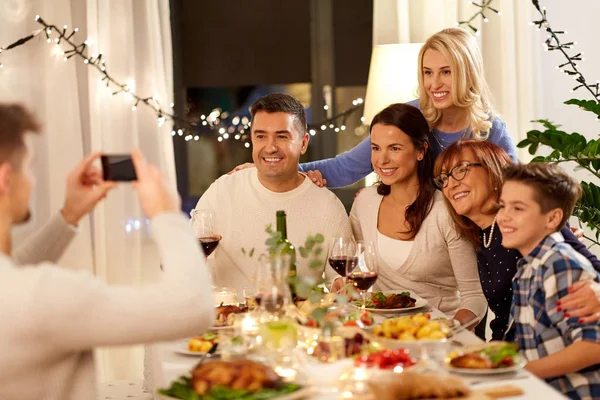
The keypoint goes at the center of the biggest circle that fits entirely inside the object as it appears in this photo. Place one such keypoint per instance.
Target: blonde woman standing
(454, 98)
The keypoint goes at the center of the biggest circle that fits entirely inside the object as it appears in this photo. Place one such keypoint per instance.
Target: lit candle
(249, 324)
(225, 296)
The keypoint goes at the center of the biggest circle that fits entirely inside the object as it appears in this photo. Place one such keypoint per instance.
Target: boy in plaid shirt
(536, 201)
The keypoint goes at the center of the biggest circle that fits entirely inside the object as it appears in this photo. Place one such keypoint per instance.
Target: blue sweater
(353, 165)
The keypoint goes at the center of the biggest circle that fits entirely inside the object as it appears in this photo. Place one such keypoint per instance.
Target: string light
(228, 127)
(483, 6)
(553, 43)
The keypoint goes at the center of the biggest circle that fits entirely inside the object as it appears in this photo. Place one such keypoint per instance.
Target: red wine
(362, 280)
(343, 264)
(209, 244)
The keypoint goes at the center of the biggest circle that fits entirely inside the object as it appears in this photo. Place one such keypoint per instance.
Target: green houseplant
(571, 147)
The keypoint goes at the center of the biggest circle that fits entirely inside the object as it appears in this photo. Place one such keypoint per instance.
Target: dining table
(166, 365)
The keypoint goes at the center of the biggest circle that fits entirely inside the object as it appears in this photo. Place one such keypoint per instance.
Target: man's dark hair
(281, 102)
(15, 122)
(553, 187)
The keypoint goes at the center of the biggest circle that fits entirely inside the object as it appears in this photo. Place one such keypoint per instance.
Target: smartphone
(118, 167)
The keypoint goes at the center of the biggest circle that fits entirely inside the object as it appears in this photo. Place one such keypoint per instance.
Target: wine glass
(273, 294)
(204, 224)
(365, 275)
(342, 255)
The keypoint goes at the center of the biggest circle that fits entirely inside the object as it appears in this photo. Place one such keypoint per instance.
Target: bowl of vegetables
(417, 333)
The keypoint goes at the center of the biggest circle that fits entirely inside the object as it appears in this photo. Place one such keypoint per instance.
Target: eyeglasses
(458, 173)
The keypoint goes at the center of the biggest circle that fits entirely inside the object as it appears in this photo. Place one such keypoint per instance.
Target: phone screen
(118, 167)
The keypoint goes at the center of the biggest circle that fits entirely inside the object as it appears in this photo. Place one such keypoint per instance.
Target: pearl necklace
(488, 241)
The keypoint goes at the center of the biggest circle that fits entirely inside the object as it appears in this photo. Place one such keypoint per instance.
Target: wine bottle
(284, 246)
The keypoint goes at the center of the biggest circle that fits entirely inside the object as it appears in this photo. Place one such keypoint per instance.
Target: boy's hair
(15, 122)
(281, 102)
(553, 187)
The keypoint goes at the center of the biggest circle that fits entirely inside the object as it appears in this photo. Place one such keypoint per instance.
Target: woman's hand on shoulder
(578, 232)
(316, 177)
(583, 302)
(241, 167)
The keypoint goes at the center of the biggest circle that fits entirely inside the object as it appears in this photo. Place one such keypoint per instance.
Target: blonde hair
(470, 89)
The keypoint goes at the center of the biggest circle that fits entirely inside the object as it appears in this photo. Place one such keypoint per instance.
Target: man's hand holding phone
(85, 188)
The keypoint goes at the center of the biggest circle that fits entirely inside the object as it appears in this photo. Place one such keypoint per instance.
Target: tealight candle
(225, 296)
(249, 325)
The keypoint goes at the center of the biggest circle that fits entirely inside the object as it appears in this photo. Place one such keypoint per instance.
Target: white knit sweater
(53, 317)
(243, 207)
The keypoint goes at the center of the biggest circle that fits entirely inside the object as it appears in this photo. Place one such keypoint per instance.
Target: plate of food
(392, 302)
(225, 314)
(197, 346)
(487, 359)
(225, 380)
(386, 360)
(415, 385)
(349, 344)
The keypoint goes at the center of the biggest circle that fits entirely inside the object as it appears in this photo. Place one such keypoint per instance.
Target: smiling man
(245, 202)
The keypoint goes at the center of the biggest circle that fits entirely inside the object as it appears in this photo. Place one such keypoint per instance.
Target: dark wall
(242, 42)
(353, 41)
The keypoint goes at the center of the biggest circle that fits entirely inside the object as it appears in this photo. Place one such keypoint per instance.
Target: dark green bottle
(284, 246)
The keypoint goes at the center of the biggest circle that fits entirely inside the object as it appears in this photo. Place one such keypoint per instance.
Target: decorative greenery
(307, 287)
(183, 389)
(571, 147)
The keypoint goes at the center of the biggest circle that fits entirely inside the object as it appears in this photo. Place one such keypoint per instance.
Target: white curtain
(506, 41)
(79, 115)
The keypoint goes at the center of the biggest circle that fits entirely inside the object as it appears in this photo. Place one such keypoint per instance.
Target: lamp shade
(392, 77)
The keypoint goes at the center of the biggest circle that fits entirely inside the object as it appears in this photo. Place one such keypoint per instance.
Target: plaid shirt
(540, 330)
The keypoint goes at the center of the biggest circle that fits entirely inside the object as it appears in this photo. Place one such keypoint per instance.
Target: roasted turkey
(241, 374)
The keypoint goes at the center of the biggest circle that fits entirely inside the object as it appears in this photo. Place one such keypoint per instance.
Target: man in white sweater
(246, 201)
(53, 317)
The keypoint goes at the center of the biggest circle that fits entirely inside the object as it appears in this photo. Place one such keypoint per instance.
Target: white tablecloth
(166, 366)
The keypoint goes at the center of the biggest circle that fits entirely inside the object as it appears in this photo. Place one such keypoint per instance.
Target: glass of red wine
(204, 224)
(342, 255)
(365, 275)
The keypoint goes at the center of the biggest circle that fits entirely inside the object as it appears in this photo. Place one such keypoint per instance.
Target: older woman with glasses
(469, 174)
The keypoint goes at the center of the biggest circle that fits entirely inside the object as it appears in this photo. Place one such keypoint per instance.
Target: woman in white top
(416, 244)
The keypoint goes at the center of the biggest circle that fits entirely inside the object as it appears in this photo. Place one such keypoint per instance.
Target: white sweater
(243, 207)
(53, 317)
(441, 267)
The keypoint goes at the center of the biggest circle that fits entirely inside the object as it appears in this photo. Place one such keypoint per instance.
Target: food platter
(494, 358)
(493, 371)
(419, 303)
